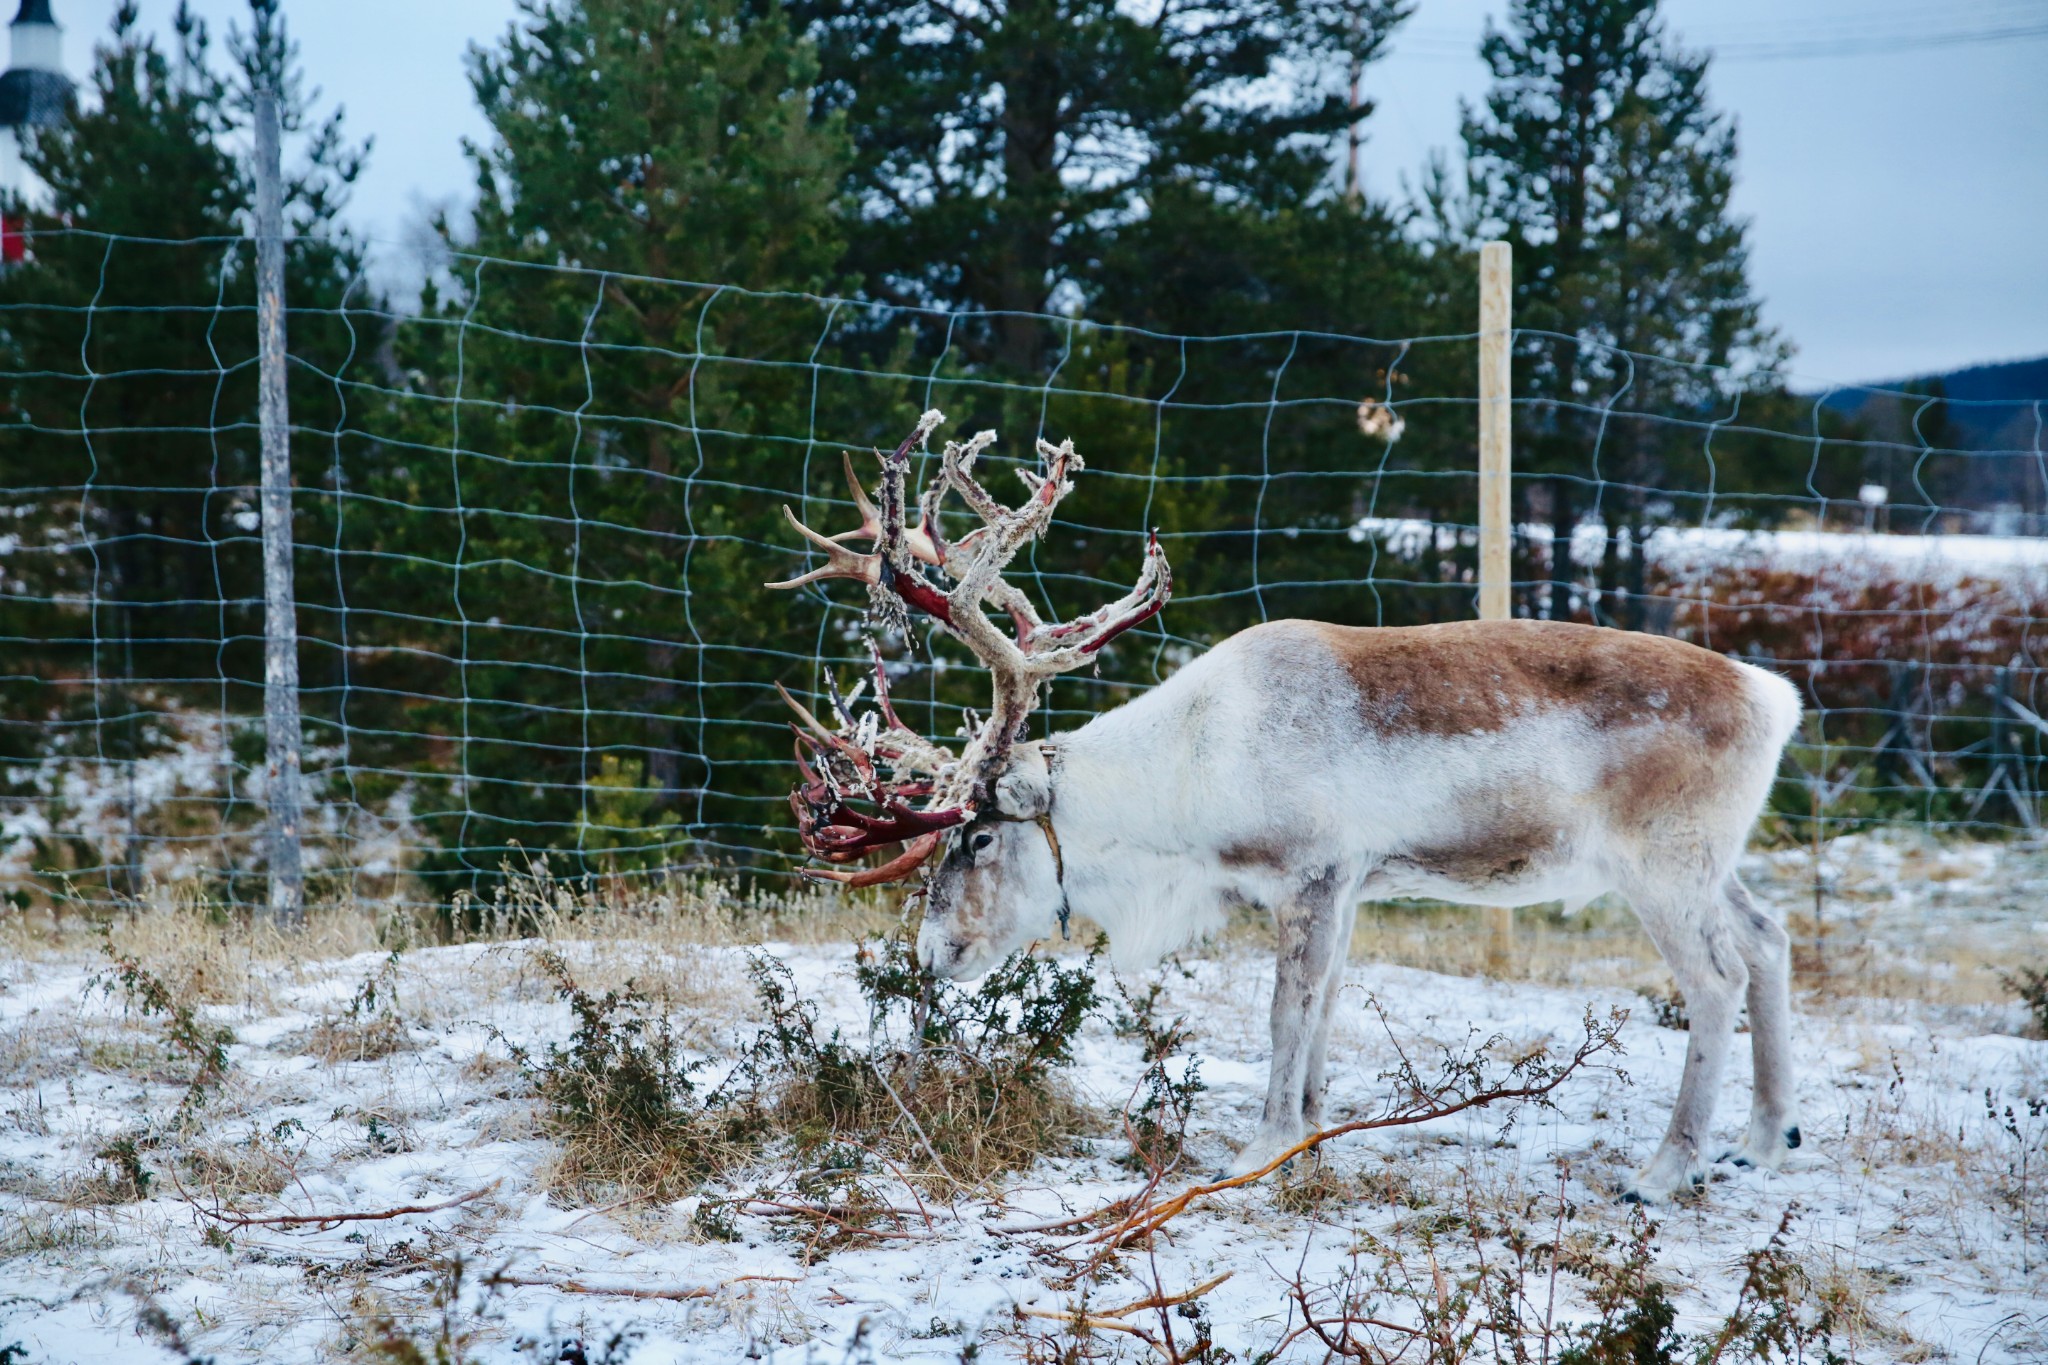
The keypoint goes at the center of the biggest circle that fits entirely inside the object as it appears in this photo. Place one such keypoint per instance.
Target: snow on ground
(1907, 1198)
(1686, 552)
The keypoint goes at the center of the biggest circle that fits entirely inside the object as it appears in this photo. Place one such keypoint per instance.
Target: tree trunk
(1030, 205)
(1563, 520)
(1605, 614)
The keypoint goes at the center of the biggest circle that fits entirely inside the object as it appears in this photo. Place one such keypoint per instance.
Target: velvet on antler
(844, 764)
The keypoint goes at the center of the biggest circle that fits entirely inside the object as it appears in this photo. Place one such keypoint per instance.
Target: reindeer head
(992, 800)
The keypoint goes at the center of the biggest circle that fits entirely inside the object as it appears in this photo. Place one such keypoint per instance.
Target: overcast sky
(1894, 159)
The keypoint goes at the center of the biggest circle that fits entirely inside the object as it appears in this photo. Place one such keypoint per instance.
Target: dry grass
(1318, 1186)
(47, 1230)
(618, 1100)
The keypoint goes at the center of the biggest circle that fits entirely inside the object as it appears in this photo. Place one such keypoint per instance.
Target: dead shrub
(958, 1086)
(1398, 1300)
(202, 1046)
(370, 1028)
(619, 1101)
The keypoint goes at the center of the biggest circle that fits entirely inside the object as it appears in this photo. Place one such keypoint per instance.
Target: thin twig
(623, 1291)
(613, 1207)
(328, 1220)
(775, 1206)
(1112, 1319)
(915, 1126)
(1060, 1224)
(1151, 1218)
(1089, 1322)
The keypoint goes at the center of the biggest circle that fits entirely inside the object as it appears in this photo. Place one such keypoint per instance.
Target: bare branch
(683, 1294)
(1423, 1108)
(328, 1220)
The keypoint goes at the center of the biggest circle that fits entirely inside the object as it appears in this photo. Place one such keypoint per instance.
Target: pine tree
(1600, 156)
(1001, 147)
(587, 473)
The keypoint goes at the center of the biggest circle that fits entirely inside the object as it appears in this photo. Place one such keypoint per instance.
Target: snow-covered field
(1917, 1208)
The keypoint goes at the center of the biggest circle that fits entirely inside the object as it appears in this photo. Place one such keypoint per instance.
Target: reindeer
(1301, 767)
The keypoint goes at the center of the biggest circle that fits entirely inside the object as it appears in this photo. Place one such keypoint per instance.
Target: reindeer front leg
(1304, 983)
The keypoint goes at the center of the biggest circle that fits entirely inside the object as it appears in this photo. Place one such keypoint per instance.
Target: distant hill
(1988, 407)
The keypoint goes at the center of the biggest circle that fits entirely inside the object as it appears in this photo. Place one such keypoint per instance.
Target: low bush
(957, 1085)
(371, 1027)
(950, 1088)
(619, 1101)
(1157, 1113)
(199, 1044)
(2029, 986)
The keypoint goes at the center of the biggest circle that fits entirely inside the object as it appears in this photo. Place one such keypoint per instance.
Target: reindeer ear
(1024, 791)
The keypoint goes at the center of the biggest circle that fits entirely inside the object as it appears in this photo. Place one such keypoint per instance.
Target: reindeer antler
(1017, 661)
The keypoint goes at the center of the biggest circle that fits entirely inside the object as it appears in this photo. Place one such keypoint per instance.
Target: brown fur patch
(1495, 846)
(1662, 775)
(1272, 857)
(1466, 676)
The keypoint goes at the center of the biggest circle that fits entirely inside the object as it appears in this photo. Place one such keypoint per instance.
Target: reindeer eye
(981, 840)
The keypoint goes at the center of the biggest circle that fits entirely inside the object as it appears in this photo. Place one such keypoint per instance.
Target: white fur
(1251, 776)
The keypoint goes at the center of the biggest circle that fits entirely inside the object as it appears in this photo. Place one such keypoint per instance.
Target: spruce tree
(1599, 155)
(999, 148)
(607, 406)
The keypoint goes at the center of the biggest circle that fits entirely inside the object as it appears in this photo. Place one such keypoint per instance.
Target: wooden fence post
(283, 787)
(1496, 324)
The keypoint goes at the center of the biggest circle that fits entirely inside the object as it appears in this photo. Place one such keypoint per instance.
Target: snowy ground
(1910, 1206)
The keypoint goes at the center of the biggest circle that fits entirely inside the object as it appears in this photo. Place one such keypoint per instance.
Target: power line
(1444, 45)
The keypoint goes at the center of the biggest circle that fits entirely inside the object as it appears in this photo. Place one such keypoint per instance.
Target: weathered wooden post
(281, 729)
(1496, 323)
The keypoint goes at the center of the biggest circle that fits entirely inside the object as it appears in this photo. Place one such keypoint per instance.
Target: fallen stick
(1112, 1319)
(328, 1220)
(1057, 1224)
(774, 1206)
(1078, 1317)
(1152, 1217)
(625, 1291)
(1090, 1322)
(1168, 1300)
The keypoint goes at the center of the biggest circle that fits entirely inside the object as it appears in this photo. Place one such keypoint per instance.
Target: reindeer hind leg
(1691, 930)
(1767, 951)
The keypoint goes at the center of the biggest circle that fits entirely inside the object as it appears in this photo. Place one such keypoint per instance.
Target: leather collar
(1052, 841)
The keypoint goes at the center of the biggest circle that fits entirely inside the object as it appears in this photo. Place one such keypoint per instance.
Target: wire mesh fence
(534, 515)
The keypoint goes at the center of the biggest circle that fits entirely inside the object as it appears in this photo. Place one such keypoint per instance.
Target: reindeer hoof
(1258, 1154)
(1764, 1147)
(1647, 1189)
(1763, 1150)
